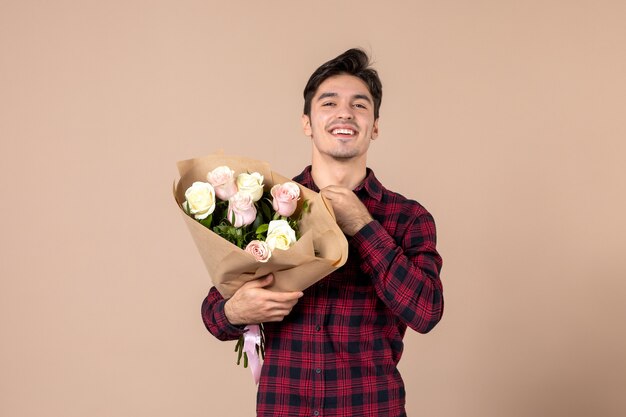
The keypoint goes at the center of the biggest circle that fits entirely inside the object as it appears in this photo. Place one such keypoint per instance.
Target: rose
(223, 180)
(251, 184)
(200, 200)
(280, 235)
(241, 209)
(285, 198)
(260, 250)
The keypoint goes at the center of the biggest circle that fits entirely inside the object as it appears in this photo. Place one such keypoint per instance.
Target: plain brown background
(506, 119)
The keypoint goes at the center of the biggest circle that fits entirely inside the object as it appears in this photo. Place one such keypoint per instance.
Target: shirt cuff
(222, 321)
(369, 241)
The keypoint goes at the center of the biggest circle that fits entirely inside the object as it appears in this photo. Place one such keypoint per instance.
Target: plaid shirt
(336, 353)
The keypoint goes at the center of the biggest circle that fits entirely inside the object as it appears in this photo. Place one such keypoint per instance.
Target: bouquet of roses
(248, 221)
(243, 213)
(240, 211)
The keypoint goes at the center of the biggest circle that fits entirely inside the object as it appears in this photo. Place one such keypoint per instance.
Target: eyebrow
(356, 96)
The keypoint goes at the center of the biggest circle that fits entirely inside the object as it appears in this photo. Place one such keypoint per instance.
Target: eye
(360, 106)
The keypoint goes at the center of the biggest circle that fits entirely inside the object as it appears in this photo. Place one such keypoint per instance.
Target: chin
(343, 156)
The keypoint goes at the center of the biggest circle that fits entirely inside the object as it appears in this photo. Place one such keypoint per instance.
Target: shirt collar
(370, 186)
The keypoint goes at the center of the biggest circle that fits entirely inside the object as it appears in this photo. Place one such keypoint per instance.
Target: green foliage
(206, 222)
(306, 208)
(266, 207)
(260, 349)
(239, 349)
(261, 231)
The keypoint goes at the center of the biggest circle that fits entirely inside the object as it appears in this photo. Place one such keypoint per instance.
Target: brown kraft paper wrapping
(321, 249)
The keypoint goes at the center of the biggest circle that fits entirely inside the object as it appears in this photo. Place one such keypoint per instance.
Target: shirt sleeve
(405, 276)
(215, 319)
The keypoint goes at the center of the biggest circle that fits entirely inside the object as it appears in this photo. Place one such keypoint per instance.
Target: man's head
(353, 62)
(342, 99)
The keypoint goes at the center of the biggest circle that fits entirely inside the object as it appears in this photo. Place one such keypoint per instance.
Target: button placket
(318, 338)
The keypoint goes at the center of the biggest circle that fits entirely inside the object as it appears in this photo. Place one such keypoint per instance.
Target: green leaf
(262, 229)
(266, 208)
(206, 222)
(239, 237)
(258, 220)
(240, 349)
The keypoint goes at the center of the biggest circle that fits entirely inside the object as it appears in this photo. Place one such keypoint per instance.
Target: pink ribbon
(251, 338)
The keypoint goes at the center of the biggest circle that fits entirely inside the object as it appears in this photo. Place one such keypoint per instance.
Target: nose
(345, 111)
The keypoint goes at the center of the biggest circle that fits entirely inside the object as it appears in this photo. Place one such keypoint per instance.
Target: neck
(347, 173)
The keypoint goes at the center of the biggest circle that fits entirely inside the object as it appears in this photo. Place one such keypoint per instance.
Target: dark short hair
(352, 62)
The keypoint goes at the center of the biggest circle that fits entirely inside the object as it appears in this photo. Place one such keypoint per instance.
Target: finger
(274, 319)
(335, 189)
(281, 297)
(278, 315)
(329, 193)
(287, 305)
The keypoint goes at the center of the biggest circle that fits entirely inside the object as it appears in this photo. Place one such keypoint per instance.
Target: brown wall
(506, 119)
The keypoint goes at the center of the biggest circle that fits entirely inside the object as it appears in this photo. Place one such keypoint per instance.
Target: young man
(333, 349)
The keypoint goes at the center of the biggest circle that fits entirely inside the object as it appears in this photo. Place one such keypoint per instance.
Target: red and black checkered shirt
(336, 353)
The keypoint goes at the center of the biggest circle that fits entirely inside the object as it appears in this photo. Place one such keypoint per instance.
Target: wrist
(359, 223)
(230, 314)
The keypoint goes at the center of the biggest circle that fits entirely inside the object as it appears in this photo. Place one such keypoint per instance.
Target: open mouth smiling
(343, 132)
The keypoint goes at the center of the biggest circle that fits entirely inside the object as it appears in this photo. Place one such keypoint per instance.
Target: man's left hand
(351, 214)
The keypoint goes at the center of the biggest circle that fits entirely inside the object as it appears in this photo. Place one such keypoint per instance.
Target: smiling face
(342, 123)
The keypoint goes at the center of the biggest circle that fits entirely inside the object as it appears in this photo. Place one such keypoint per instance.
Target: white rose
(280, 235)
(200, 200)
(251, 184)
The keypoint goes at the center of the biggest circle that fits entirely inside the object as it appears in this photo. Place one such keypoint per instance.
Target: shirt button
(318, 371)
(318, 328)
(316, 413)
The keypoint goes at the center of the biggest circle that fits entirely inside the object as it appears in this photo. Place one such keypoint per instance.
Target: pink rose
(285, 198)
(241, 207)
(223, 181)
(260, 250)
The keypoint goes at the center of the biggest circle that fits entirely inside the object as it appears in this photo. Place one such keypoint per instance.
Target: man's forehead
(355, 96)
(343, 84)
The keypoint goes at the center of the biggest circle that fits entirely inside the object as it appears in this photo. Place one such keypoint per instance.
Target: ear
(375, 130)
(306, 125)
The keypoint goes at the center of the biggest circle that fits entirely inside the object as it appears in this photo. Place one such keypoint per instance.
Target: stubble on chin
(336, 149)
(343, 156)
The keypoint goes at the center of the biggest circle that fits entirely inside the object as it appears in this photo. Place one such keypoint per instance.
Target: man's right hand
(252, 303)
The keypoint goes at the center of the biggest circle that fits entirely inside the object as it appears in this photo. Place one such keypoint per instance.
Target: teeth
(343, 132)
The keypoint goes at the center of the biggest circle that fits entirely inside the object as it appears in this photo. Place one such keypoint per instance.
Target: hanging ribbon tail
(252, 338)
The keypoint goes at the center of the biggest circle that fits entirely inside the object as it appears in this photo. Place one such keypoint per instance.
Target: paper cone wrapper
(321, 249)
